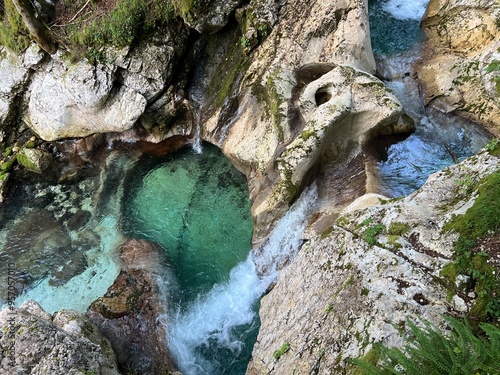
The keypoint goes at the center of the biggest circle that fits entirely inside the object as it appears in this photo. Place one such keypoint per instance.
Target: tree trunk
(40, 33)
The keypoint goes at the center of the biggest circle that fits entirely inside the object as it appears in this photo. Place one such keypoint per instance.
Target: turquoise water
(197, 207)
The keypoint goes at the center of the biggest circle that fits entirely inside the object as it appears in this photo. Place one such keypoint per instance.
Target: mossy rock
(34, 159)
(7, 165)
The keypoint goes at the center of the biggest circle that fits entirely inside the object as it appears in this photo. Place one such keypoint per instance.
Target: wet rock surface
(130, 313)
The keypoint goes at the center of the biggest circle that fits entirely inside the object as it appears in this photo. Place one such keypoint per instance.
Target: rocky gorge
(289, 92)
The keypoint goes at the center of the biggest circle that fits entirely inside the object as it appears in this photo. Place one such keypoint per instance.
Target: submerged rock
(130, 312)
(34, 342)
(356, 281)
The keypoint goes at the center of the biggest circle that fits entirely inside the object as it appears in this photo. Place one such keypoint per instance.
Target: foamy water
(211, 320)
(406, 9)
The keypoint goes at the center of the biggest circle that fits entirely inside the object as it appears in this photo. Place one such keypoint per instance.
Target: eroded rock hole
(322, 96)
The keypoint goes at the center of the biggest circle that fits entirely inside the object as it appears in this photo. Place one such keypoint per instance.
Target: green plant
(370, 234)
(245, 42)
(13, 33)
(493, 147)
(279, 353)
(431, 352)
(480, 221)
(493, 66)
(398, 229)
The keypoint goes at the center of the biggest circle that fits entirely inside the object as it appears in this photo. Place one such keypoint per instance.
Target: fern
(430, 352)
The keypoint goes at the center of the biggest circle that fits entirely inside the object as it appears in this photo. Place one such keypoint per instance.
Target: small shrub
(279, 353)
(398, 229)
(370, 234)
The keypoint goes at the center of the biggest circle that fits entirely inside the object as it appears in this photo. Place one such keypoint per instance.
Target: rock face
(15, 72)
(306, 104)
(348, 288)
(460, 69)
(80, 100)
(129, 314)
(34, 342)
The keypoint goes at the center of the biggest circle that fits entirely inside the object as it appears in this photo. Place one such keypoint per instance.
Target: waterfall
(211, 321)
(406, 10)
(197, 147)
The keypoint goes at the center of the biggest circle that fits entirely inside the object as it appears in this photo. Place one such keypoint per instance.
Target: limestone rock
(128, 314)
(279, 130)
(333, 113)
(460, 70)
(79, 100)
(209, 17)
(345, 292)
(148, 67)
(33, 343)
(34, 159)
(14, 74)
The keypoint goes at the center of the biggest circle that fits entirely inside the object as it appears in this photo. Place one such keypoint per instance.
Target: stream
(62, 239)
(439, 140)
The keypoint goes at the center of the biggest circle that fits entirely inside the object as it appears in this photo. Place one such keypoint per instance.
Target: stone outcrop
(130, 312)
(15, 72)
(76, 101)
(306, 104)
(34, 342)
(207, 17)
(460, 69)
(348, 289)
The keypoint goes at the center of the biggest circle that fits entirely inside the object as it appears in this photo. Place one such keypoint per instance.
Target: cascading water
(215, 333)
(439, 139)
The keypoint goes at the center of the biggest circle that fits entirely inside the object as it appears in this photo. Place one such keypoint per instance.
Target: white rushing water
(406, 9)
(229, 305)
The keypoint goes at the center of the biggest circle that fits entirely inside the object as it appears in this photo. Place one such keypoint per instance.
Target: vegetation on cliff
(85, 27)
(430, 352)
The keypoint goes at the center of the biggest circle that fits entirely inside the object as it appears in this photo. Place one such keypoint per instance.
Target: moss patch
(478, 231)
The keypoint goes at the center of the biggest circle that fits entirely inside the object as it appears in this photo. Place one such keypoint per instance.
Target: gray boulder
(34, 342)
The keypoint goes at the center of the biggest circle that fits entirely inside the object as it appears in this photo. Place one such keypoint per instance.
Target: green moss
(326, 233)
(494, 66)
(329, 309)
(398, 229)
(7, 165)
(343, 221)
(493, 147)
(13, 34)
(279, 353)
(306, 134)
(7, 152)
(365, 292)
(483, 216)
(482, 220)
(183, 7)
(392, 240)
